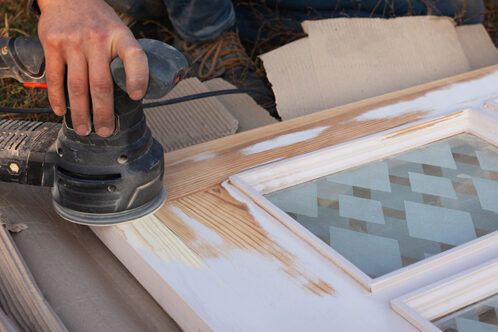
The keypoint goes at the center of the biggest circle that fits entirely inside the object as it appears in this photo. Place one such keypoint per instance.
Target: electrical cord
(146, 105)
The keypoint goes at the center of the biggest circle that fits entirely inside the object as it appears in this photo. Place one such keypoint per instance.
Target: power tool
(95, 180)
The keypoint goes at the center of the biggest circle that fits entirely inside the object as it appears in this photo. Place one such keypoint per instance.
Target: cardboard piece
(20, 296)
(247, 112)
(84, 283)
(294, 80)
(345, 60)
(183, 124)
(477, 46)
(6, 324)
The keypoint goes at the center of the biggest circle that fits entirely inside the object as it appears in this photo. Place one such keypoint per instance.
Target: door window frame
(279, 175)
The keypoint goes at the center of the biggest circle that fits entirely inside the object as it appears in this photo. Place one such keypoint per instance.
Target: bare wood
(204, 165)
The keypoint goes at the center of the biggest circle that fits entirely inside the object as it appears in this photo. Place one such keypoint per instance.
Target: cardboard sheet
(346, 60)
(247, 112)
(180, 125)
(20, 297)
(6, 324)
(477, 46)
(291, 71)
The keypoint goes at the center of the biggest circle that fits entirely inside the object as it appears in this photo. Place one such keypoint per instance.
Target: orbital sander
(95, 180)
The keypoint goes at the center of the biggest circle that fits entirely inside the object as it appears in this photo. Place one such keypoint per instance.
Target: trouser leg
(200, 20)
(251, 13)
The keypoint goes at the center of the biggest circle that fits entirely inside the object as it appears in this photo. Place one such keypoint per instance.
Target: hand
(86, 35)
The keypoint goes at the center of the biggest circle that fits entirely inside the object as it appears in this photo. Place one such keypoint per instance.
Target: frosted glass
(399, 210)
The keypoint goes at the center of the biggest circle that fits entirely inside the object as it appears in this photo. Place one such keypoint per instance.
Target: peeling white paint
(455, 97)
(284, 140)
(197, 157)
(492, 104)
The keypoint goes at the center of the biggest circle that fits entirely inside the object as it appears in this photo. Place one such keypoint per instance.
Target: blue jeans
(200, 20)
(205, 20)
(253, 14)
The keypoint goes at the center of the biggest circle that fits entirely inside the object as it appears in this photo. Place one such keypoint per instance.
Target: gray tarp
(84, 283)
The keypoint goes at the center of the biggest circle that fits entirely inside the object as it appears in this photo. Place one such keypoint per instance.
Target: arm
(85, 35)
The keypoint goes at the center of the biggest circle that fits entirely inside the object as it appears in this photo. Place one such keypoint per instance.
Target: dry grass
(491, 19)
(16, 20)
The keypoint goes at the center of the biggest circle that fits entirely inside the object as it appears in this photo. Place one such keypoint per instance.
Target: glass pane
(478, 317)
(399, 210)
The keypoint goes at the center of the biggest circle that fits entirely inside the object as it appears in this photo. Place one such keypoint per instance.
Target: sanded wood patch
(236, 227)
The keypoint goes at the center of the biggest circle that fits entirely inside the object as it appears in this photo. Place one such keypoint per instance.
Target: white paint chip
(465, 95)
(284, 140)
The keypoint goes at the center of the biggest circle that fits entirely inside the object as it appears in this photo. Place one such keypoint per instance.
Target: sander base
(109, 219)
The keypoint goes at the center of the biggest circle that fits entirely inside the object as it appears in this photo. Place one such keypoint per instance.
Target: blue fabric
(200, 20)
(204, 20)
(260, 18)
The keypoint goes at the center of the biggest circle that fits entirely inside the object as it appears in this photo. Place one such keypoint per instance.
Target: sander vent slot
(89, 177)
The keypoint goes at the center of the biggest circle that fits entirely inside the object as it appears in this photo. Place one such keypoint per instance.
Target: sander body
(95, 180)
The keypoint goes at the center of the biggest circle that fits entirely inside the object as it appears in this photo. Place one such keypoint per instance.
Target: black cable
(196, 96)
(147, 105)
(25, 110)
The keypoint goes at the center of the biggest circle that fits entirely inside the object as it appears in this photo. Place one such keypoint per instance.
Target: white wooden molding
(307, 167)
(279, 175)
(449, 295)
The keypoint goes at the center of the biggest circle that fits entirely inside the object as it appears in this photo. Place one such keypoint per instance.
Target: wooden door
(232, 251)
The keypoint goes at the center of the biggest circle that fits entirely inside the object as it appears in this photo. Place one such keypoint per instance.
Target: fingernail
(83, 130)
(104, 131)
(136, 94)
(59, 111)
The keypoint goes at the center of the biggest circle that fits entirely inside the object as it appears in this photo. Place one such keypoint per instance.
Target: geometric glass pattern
(402, 209)
(478, 317)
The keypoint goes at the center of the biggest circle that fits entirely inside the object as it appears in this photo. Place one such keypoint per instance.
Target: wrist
(42, 4)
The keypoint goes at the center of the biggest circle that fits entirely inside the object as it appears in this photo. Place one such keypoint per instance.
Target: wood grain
(233, 223)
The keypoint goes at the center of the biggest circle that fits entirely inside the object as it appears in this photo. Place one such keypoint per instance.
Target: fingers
(55, 73)
(88, 76)
(135, 63)
(101, 90)
(77, 86)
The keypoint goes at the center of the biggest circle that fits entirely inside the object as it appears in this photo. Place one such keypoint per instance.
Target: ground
(16, 20)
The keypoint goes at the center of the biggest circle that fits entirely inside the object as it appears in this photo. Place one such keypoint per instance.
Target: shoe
(227, 58)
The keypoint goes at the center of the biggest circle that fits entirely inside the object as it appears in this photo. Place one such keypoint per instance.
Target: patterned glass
(399, 210)
(477, 317)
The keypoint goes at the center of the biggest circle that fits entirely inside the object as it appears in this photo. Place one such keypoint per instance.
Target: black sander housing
(95, 180)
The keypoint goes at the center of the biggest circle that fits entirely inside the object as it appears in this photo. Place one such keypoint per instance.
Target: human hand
(86, 35)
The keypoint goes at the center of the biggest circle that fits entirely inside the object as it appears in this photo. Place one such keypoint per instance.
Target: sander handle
(22, 58)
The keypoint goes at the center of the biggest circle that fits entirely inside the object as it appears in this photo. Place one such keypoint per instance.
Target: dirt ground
(16, 20)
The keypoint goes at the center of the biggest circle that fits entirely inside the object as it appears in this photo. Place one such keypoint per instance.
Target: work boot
(227, 58)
